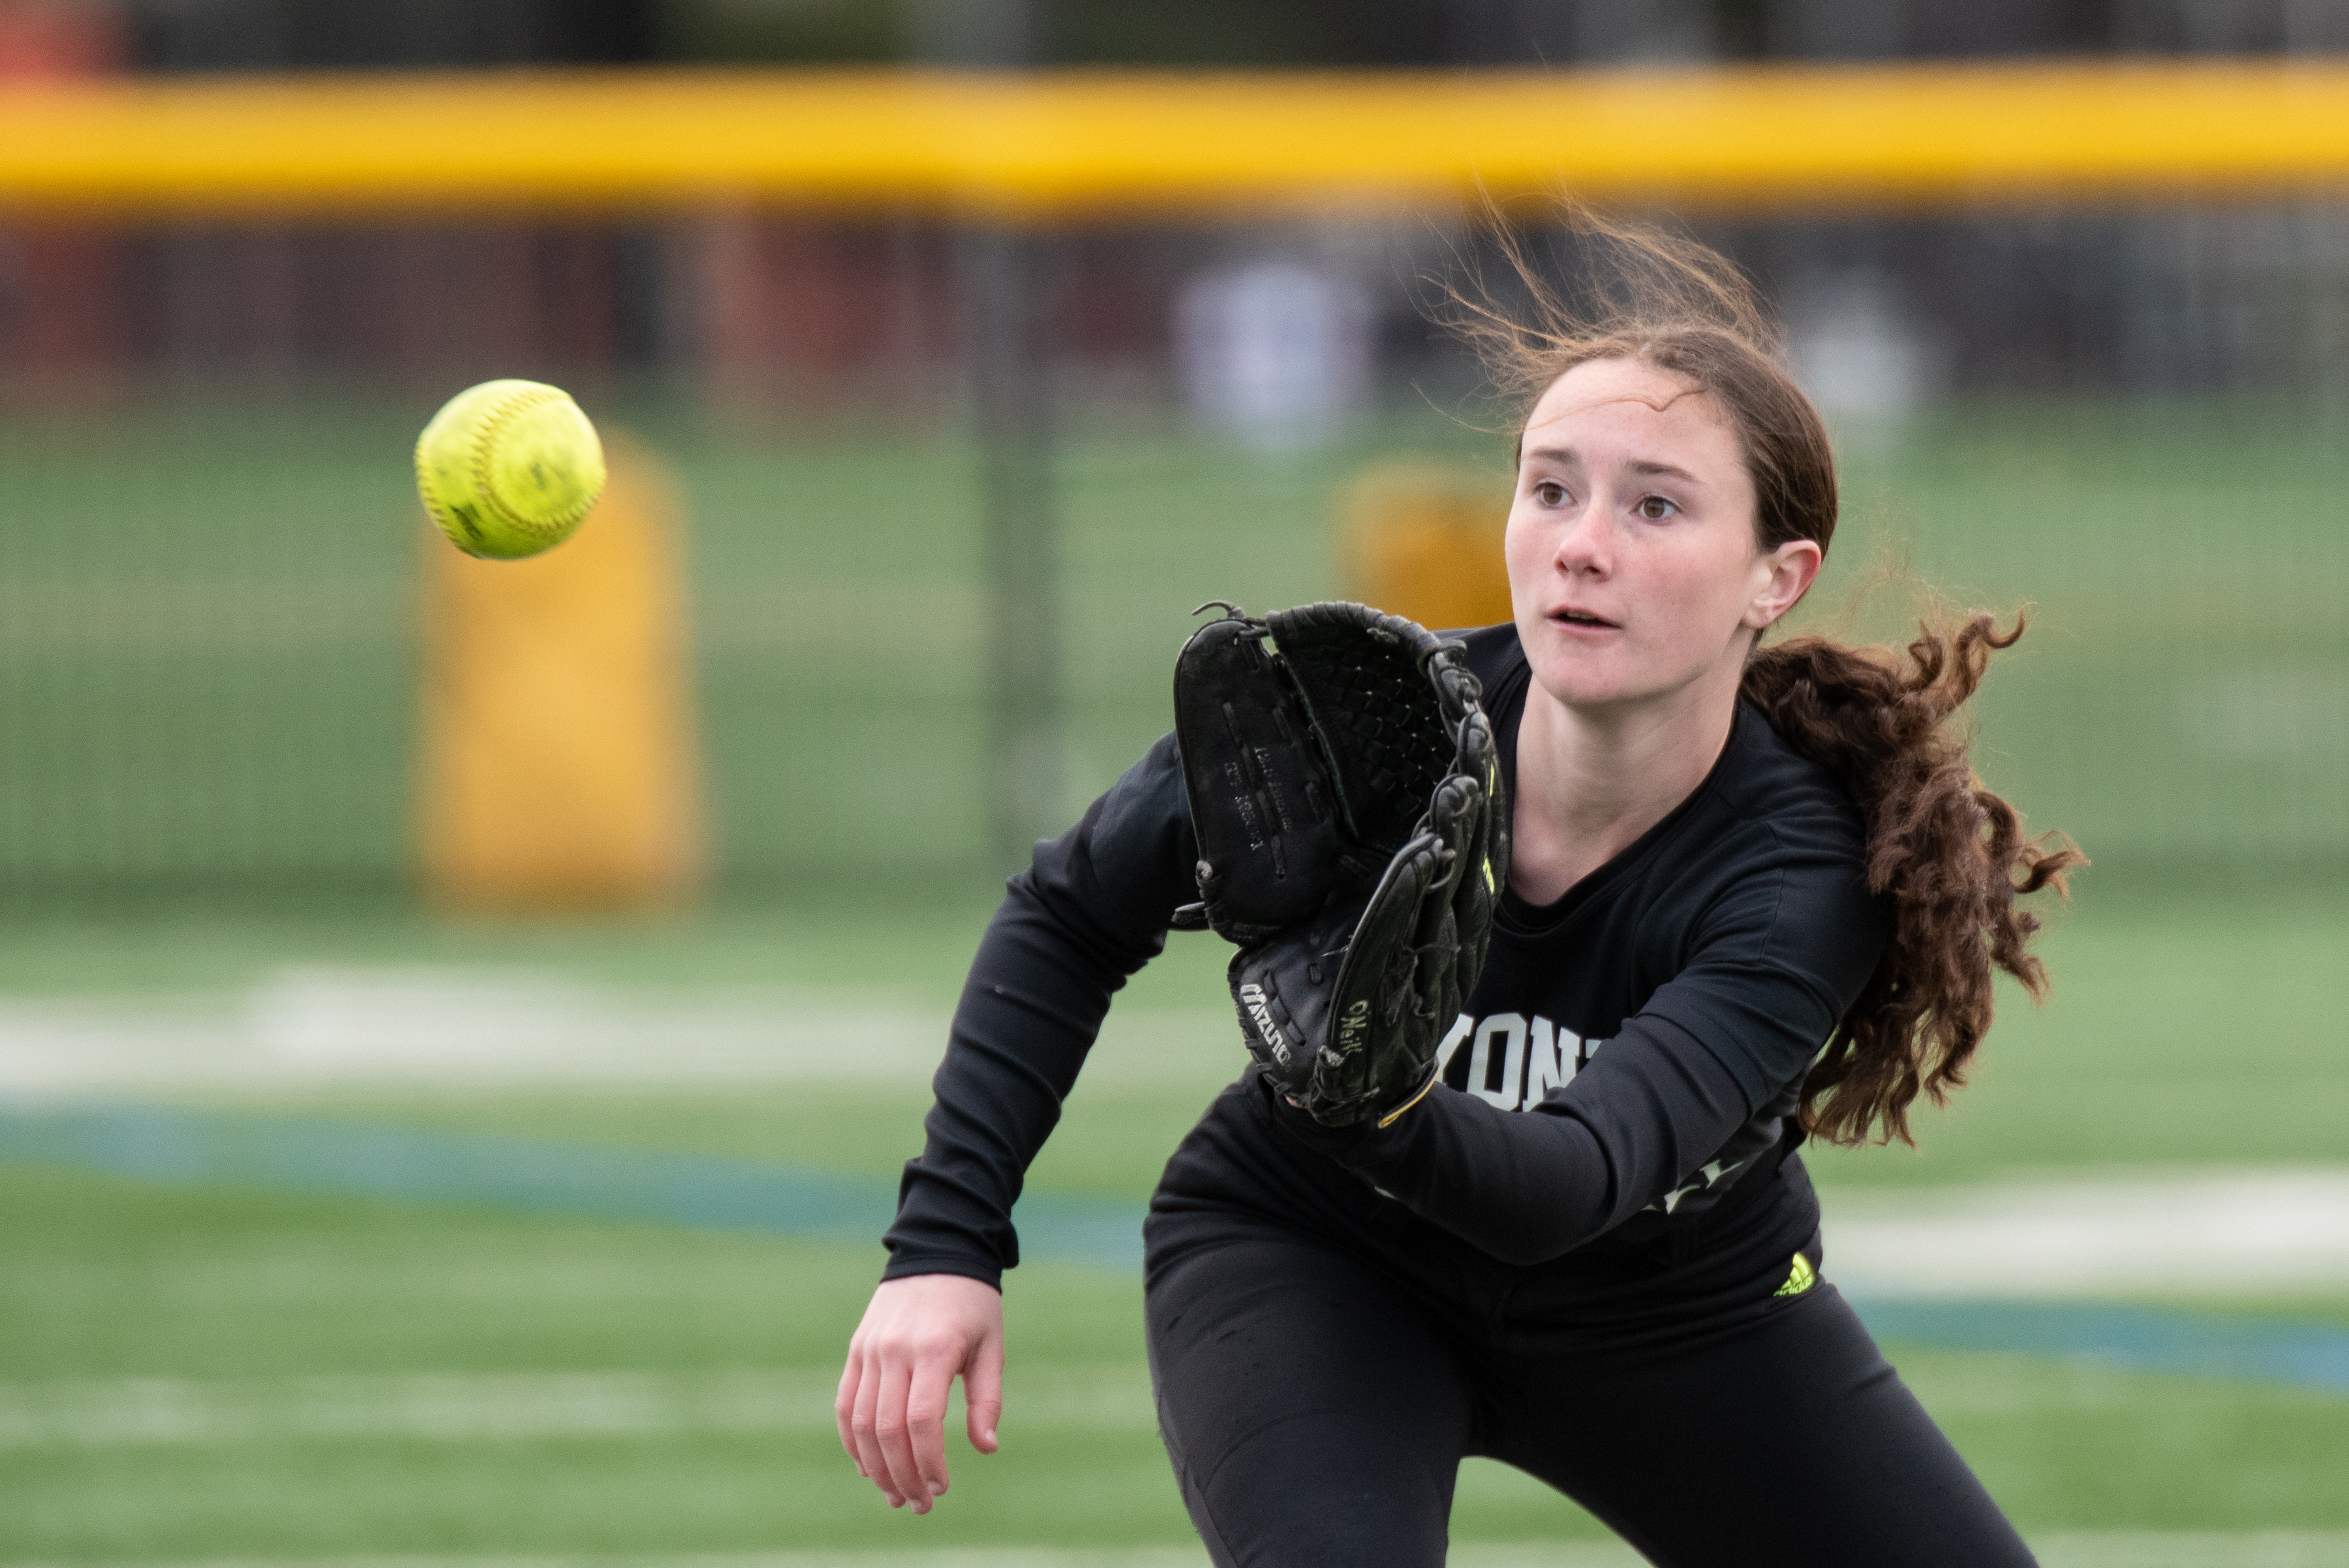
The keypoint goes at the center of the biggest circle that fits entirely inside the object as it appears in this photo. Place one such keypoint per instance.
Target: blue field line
(361, 1159)
(2139, 1339)
(420, 1165)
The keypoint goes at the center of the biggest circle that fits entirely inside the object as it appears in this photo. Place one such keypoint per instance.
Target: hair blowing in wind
(1948, 853)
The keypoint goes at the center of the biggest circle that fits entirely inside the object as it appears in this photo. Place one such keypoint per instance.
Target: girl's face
(1633, 567)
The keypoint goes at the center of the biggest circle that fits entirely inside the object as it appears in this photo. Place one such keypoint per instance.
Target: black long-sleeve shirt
(1629, 1052)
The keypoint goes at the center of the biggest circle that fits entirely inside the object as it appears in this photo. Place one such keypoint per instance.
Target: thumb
(982, 1391)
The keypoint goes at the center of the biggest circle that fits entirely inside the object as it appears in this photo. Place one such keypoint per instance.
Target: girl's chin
(1583, 690)
(1594, 689)
(1577, 675)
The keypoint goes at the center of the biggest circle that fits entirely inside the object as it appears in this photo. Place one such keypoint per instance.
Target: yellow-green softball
(509, 468)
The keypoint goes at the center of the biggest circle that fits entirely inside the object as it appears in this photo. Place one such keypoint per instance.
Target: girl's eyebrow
(1645, 467)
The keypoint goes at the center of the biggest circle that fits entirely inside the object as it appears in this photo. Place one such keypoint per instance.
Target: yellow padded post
(1424, 542)
(560, 768)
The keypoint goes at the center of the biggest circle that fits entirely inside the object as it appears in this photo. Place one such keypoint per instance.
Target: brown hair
(1948, 851)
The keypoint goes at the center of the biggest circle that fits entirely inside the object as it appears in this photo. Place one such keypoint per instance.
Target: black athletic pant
(1323, 1360)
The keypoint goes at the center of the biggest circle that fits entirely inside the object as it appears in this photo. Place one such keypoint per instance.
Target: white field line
(423, 1027)
(464, 1408)
(500, 1406)
(2247, 1231)
(2064, 1548)
(2250, 1232)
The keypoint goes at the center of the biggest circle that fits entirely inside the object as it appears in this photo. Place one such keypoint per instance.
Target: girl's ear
(1785, 575)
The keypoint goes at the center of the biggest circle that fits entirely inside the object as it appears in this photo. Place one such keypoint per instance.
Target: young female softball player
(1756, 895)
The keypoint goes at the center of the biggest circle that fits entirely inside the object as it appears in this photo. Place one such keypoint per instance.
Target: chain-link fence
(2133, 423)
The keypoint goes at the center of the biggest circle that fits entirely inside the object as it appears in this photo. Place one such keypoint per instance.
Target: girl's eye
(1655, 508)
(1549, 493)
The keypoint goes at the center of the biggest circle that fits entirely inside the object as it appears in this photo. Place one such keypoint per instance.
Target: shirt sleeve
(1777, 959)
(1094, 907)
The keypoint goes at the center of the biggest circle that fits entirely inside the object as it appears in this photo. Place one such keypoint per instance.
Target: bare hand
(919, 1334)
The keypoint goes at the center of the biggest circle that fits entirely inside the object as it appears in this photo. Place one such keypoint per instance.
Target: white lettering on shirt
(1513, 1062)
(1509, 1030)
(1544, 1069)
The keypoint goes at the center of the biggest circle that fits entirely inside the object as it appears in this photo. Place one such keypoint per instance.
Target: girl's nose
(1582, 543)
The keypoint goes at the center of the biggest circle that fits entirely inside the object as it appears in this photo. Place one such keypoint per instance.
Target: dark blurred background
(256, 35)
(2054, 300)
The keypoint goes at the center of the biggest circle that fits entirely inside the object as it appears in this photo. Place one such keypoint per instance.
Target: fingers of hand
(843, 1407)
(865, 1427)
(982, 1387)
(894, 1440)
(925, 1428)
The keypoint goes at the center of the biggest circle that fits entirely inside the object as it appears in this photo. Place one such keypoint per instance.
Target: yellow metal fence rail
(1093, 144)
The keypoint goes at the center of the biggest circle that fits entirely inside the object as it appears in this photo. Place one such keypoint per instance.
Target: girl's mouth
(1582, 618)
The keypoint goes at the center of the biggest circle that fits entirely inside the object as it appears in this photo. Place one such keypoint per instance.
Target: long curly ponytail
(1949, 854)
(1948, 851)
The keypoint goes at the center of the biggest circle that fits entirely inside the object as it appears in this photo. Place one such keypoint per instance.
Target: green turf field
(202, 1374)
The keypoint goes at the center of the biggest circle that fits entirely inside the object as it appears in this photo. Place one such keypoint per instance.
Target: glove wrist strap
(1417, 1094)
